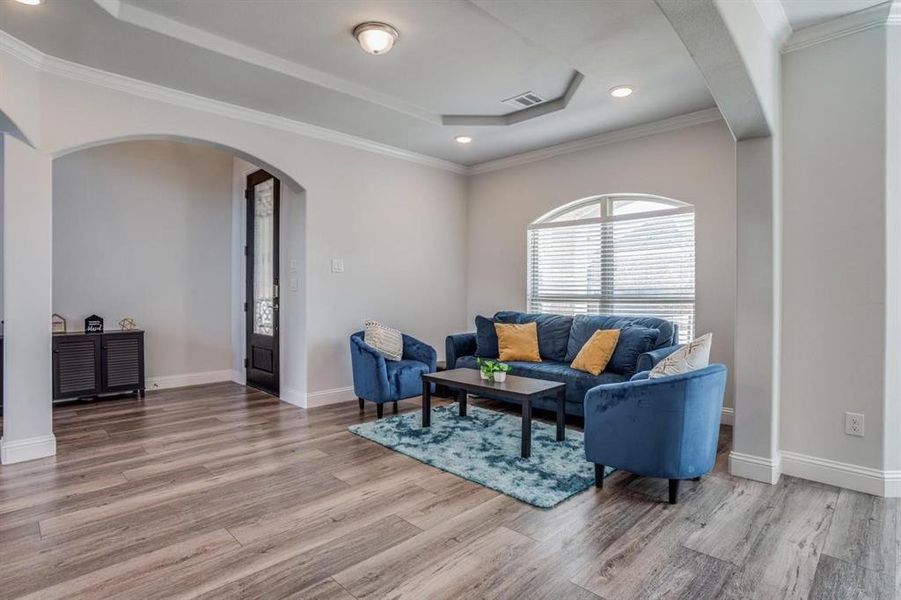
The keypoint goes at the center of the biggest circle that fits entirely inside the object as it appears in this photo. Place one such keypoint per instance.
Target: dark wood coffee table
(518, 389)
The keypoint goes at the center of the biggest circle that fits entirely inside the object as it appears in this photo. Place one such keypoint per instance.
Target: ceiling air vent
(524, 100)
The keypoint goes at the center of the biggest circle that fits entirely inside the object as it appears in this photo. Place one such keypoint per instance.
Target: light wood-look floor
(220, 492)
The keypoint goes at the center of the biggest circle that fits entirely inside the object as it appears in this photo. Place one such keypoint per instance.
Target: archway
(35, 432)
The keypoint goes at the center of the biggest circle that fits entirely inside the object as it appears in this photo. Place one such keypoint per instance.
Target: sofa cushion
(517, 341)
(597, 352)
(553, 331)
(692, 356)
(486, 335)
(387, 341)
(633, 340)
(584, 326)
(405, 377)
(486, 338)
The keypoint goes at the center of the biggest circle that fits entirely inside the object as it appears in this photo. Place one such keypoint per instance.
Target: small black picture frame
(93, 324)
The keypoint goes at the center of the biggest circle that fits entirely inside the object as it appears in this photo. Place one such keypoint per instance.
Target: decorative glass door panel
(262, 306)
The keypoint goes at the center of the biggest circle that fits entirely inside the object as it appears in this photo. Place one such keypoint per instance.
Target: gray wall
(695, 165)
(143, 229)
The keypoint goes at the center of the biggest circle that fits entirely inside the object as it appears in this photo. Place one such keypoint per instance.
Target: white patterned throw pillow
(692, 356)
(389, 342)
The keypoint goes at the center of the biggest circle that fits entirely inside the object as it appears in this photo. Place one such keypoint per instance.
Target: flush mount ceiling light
(30, 2)
(375, 38)
(621, 91)
(463, 139)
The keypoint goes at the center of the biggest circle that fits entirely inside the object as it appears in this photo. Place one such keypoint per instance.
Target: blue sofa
(379, 380)
(560, 338)
(666, 427)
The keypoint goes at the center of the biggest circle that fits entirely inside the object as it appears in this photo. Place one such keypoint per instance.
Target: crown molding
(121, 83)
(868, 18)
(622, 135)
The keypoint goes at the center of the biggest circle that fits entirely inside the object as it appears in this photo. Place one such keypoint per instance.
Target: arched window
(622, 254)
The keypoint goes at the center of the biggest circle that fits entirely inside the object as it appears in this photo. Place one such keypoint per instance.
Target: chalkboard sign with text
(93, 324)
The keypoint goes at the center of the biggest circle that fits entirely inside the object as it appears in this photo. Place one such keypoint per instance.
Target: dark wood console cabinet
(90, 364)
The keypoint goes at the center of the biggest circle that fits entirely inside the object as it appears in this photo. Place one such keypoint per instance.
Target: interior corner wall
(696, 165)
(834, 254)
(143, 229)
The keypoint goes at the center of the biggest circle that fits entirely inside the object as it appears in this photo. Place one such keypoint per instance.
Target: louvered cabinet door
(76, 366)
(123, 362)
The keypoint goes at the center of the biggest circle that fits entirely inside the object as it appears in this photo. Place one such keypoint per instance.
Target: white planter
(484, 374)
(500, 376)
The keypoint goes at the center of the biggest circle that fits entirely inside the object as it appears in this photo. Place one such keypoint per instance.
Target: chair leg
(598, 476)
(395, 406)
(360, 400)
(380, 409)
(673, 491)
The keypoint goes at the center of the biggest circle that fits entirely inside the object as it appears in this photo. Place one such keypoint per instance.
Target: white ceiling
(297, 59)
(804, 13)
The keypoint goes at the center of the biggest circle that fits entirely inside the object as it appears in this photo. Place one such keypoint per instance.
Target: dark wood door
(76, 365)
(261, 308)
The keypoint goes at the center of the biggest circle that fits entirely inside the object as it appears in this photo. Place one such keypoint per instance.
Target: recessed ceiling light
(463, 139)
(30, 2)
(375, 38)
(621, 91)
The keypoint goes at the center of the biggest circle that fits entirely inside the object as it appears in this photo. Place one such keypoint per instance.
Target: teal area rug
(484, 447)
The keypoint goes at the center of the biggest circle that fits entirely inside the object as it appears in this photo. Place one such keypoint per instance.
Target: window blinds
(640, 264)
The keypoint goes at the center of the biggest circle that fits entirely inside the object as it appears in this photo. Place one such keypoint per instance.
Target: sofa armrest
(417, 350)
(457, 345)
(369, 371)
(641, 375)
(649, 360)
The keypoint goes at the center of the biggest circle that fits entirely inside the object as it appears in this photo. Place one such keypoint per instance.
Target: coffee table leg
(526, 428)
(426, 404)
(561, 416)
(461, 397)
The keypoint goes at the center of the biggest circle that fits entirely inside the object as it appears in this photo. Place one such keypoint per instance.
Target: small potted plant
(500, 372)
(485, 367)
(491, 369)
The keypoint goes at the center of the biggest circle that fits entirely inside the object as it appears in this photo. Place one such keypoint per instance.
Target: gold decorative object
(127, 324)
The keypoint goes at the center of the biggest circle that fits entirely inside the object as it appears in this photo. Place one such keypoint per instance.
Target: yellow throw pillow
(517, 342)
(596, 353)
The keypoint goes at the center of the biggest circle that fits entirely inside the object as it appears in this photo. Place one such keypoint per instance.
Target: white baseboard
(28, 449)
(753, 467)
(165, 382)
(728, 416)
(845, 475)
(893, 484)
(239, 377)
(293, 397)
(320, 398)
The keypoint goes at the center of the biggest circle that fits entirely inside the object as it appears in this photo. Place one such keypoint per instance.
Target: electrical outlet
(854, 424)
(337, 265)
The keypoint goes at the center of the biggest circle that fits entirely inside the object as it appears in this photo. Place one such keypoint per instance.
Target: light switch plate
(292, 266)
(337, 265)
(292, 284)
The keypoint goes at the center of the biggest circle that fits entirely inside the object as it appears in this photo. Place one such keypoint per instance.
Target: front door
(261, 307)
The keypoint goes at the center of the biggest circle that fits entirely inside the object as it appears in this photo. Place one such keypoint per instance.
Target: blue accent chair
(665, 427)
(380, 380)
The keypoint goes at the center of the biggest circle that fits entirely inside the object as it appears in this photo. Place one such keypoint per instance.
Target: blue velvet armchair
(665, 427)
(379, 380)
